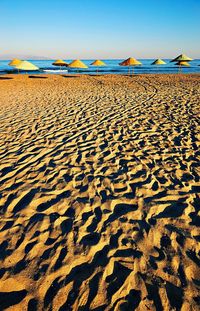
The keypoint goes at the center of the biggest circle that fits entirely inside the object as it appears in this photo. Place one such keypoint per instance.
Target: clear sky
(100, 29)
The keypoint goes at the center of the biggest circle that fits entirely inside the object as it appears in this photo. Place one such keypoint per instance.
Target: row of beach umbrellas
(181, 61)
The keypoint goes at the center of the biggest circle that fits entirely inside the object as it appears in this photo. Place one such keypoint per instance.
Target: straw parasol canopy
(25, 65)
(158, 62)
(14, 62)
(78, 64)
(130, 62)
(60, 63)
(182, 58)
(183, 64)
(98, 63)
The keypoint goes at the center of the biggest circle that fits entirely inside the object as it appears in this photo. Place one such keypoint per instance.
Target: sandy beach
(99, 192)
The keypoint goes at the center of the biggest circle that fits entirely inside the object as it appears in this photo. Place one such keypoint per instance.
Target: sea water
(112, 67)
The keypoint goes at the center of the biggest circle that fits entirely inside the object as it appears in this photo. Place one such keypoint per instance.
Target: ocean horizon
(112, 67)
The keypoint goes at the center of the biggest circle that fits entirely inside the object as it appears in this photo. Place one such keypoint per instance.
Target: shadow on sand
(71, 76)
(37, 77)
(5, 78)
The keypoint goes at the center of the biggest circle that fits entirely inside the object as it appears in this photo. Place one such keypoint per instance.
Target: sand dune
(99, 203)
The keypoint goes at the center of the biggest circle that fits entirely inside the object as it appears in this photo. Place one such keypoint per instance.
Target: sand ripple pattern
(99, 203)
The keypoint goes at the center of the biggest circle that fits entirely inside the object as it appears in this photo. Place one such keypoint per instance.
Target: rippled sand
(100, 193)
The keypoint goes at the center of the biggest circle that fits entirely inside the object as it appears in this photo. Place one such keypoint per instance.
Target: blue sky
(100, 29)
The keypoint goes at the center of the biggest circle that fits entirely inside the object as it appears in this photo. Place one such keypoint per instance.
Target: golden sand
(100, 192)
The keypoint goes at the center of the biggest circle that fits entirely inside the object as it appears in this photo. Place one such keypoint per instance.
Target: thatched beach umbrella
(78, 64)
(98, 63)
(158, 62)
(60, 63)
(28, 66)
(181, 64)
(130, 62)
(181, 58)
